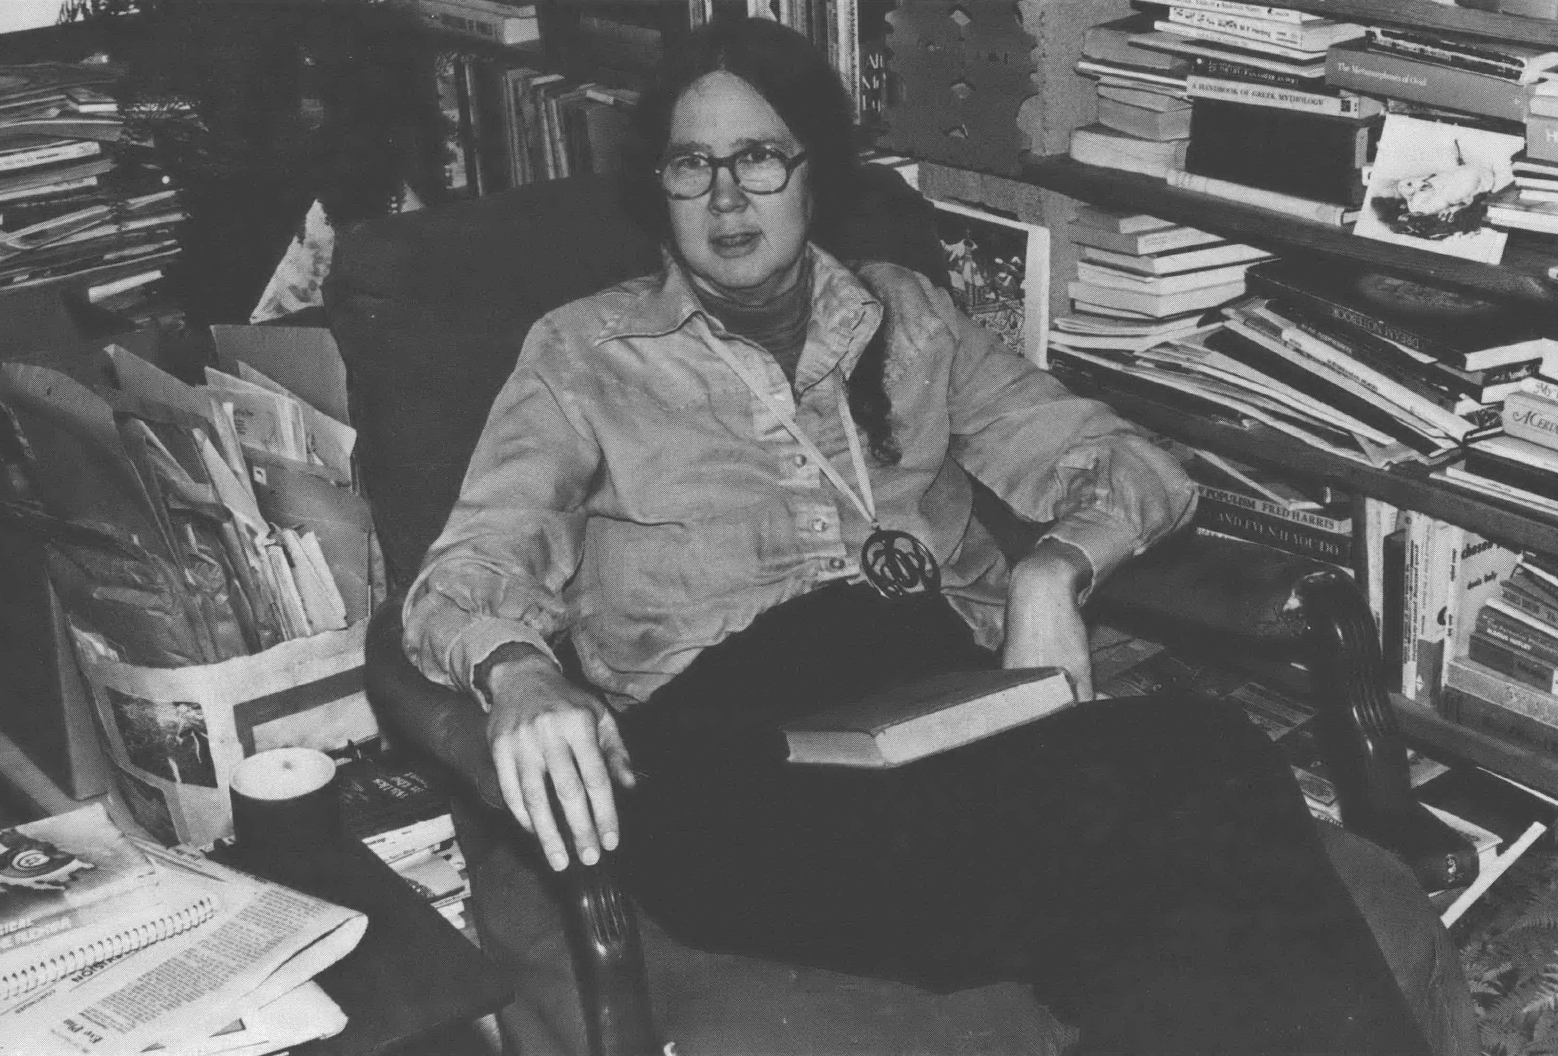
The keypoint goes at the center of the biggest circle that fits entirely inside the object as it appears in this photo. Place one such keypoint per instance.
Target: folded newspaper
(263, 943)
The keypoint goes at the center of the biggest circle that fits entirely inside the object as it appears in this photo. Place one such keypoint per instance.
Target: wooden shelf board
(1431, 730)
(1404, 486)
(1521, 278)
(1429, 15)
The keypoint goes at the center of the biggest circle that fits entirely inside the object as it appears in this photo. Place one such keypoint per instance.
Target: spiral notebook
(75, 892)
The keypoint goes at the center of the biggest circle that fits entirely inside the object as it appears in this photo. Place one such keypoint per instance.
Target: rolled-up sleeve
(1056, 457)
(513, 540)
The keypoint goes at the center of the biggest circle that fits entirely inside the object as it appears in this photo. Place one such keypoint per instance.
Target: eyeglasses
(758, 170)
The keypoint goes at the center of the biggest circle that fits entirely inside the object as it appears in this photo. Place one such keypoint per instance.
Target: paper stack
(116, 945)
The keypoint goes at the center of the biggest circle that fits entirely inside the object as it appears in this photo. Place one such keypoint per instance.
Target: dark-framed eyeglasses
(757, 170)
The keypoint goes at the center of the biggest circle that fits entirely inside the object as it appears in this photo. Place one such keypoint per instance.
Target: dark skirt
(1147, 865)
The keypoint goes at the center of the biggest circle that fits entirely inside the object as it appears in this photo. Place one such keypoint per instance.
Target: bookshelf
(1520, 279)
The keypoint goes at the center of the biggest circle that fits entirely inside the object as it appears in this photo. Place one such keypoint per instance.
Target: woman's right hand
(542, 725)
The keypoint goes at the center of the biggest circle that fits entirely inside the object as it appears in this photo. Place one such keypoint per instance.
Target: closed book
(479, 22)
(1465, 332)
(1253, 44)
(1233, 69)
(1511, 626)
(1302, 36)
(1505, 59)
(1103, 146)
(1335, 104)
(1330, 213)
(1333, 519)
(1377, 354)
(1111, 42)
(1522, 667)
(1190, 47)
(1156, 305)
(1308, 155)
(1531, 418)
(1143, 122)
(1536, 578)
(1547, 9)
(1542, 137)
(1120, 222)
(1138, 243)
(1280, 533)
(933, 715)
(33, 152)
(1474, 713)
(1176, 261)
(1289, 15)
(394, 804)
(1101, 275)
(1540, 384)
(1502, 807)
(1146, 96)
(1516, 462)
(1517, 595)
(1478, 679)
(1356, 67)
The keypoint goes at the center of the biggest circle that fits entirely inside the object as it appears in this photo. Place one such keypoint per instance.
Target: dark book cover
(1528, 670)
(1508, 471)
(380, 795)
(1517, 634)
(1515, 592)
(1233, 70)
(1455, 328)
(1313, 156)
(1373, 352)
(1286, 535)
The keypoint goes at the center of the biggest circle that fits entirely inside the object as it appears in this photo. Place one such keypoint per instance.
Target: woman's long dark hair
(795, 79)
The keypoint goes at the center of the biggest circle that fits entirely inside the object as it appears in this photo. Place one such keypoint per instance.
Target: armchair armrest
(1196, 588)
(452, 728)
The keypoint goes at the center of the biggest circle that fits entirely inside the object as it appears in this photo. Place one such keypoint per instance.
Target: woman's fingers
(616, 751)
(533, 766)
(508, 781)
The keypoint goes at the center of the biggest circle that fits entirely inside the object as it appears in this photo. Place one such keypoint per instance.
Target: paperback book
(998, 269)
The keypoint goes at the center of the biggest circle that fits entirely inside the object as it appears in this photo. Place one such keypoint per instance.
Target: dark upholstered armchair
(429, 310)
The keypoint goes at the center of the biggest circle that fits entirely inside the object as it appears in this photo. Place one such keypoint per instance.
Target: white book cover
(1431, 184)
(999, 270)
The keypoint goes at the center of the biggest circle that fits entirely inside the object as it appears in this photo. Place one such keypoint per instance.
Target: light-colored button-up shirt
(631, 491)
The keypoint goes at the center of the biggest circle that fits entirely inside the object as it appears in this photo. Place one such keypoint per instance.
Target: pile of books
(1362, 365)
(1238, 501)
(1504, 683)
(93, 922)
(400, 810)
(1518, 468)
(496, 21)
(1143, 113)
(1141, 280)
(78, 198)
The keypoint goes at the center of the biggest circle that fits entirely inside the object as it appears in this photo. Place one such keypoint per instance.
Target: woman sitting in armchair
(741, 488)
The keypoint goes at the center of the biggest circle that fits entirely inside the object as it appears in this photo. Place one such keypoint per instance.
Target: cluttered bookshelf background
(1313, 246)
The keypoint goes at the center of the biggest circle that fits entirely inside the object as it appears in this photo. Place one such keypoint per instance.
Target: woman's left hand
(1044, 626)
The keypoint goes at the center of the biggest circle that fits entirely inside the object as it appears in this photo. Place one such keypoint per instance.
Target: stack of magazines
(141, 946)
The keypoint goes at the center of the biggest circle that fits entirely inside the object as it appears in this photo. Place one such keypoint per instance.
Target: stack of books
(1265, 127)
(78, 198)
(1142, 280)
(1530, 202)
(495, 21)
(1521, 466)
(93, 922)
(400, 811)
(1240, 502)
(1143, 116)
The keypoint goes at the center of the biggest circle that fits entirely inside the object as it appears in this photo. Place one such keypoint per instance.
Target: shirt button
(819, 525)
(800, 461)
(835, 563)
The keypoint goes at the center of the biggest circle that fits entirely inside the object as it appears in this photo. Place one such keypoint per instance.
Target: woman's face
(747, 247)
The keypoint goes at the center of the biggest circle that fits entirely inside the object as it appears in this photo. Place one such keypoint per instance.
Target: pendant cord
(865, 501)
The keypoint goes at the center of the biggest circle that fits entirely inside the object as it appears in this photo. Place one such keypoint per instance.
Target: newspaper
(304, 1014)
(265, 941)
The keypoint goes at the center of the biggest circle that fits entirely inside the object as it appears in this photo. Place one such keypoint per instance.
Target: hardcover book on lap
(923, 718)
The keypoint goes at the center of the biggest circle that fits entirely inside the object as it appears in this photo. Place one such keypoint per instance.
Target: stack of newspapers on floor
(1500, 819)
(400, 810)
(111, 944)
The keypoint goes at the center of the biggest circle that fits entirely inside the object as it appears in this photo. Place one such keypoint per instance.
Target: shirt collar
(844, 313)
